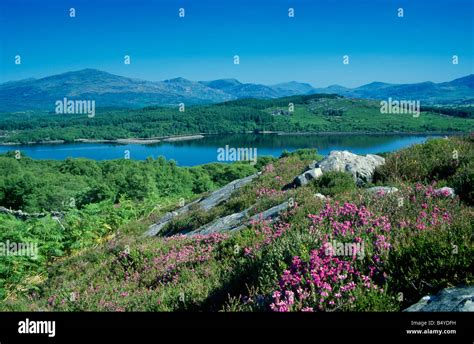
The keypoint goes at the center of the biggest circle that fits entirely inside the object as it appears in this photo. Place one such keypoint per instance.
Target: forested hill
(309, 113)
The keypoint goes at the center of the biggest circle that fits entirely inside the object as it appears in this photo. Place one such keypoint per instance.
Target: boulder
(307, 176)
(361, 167)
(460, 299)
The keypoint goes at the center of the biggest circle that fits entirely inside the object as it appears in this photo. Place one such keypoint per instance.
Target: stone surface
(23, 215)
(205, 203)
(445, 191)
(382, 190)
(307, 176)
(460, 299)
(361, 167)
(239, 220)
(320, 196)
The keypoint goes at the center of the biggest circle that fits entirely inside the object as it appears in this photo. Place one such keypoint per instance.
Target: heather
(352, 251)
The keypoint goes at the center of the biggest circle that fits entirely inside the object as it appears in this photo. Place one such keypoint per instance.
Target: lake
(201, 151)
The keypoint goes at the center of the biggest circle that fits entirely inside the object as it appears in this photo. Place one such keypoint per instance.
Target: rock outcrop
(460, 299)
(239, 220)
(361, 167)
(307, 176)
(205, 203)
(23, 215)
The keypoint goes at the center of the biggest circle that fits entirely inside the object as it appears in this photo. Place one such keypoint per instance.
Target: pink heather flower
(290, 296)
(269, 168)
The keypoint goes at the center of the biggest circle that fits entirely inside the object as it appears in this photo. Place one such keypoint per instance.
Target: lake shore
(141, 141)
(177, 138)
(197, 150)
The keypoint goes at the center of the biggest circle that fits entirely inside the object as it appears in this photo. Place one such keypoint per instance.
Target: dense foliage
(37, 185)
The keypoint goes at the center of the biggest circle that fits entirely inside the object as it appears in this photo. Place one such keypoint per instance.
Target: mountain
(109, 90)
(294, 87)
(106, 89)
(241, 90)
(460, 91)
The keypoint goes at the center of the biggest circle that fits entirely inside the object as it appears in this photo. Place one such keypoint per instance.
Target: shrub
(463, 183)
(303, 154)
(333, 183)
(437, 159)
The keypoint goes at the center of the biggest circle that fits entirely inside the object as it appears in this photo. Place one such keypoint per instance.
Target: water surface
(201, 151)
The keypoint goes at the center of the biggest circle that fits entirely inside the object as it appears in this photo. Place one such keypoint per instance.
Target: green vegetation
(448, 162)
(96, 198)
(314, 113)
(100, 262)
(334, 183)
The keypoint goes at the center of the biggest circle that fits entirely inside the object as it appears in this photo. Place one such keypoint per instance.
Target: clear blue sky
(272, 47)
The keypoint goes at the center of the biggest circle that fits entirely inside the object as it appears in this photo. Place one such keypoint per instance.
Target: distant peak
(231, 80)
(88, 71)
(178, 79)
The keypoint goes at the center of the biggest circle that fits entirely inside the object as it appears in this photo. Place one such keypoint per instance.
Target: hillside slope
(311, 114)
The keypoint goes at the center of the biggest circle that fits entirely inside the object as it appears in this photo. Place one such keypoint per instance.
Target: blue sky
(272, 47)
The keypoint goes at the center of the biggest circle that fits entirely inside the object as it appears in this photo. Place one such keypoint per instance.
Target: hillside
(261, 247)
(458, 91)
(109, 90)
(312, 114)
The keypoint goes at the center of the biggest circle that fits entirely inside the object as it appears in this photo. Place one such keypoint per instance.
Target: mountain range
(109, 90)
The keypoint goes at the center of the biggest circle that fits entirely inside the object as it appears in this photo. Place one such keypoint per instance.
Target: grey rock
(205, 203)
(222, 224)
(445, 191)
(382, 189)
(360, 167)
(320, 196)
(307, 176)
(238, 221)
(23, 215)
(459, 299)
(225, 192)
